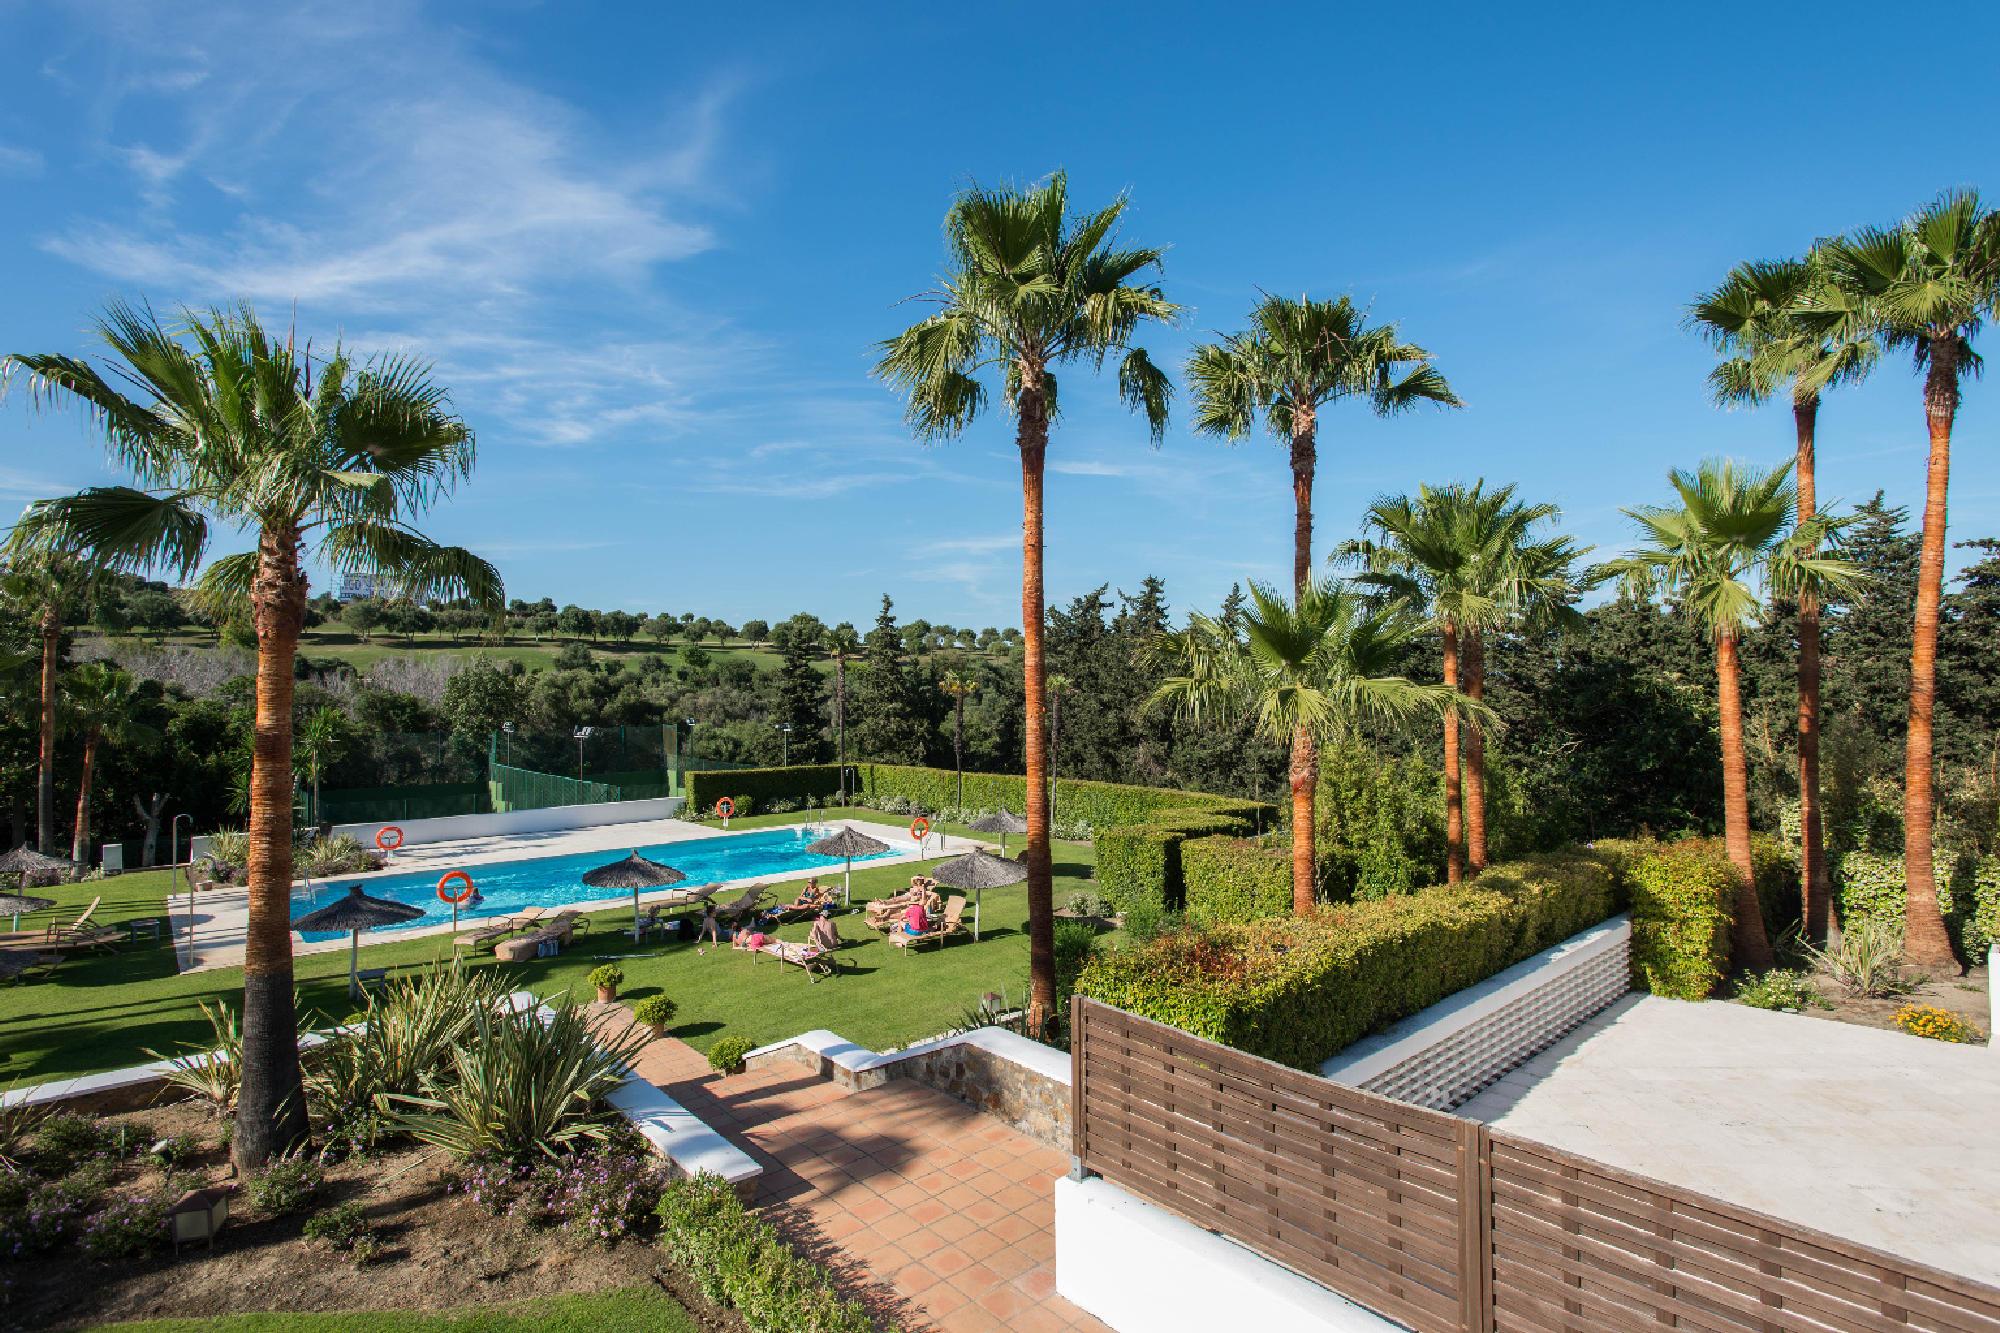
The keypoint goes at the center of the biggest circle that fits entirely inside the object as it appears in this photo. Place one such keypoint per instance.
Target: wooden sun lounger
(814, 961)
(949, 925)
(733, 912)
(78, 926)
(97, 937)
(499, 928)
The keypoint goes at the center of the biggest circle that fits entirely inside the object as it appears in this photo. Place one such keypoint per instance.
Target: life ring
(382, 837)
(920, 828)
(724, 808)
(445, 895)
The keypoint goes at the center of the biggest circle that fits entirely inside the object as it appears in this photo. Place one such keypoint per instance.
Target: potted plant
(726, 1056)
(607, 979)
(655, 1011)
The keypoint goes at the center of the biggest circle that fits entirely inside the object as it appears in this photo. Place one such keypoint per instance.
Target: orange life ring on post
(445, 895)
(920, 828)
(724, 808)
(382, 837)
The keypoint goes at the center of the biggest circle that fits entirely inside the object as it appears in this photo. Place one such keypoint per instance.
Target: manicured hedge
(1100, 805)
(740, 1260)
(1871, 885)
(1683, 897)
(1297, 990)
(761, 785)
(1235, 879)
(1145, 862)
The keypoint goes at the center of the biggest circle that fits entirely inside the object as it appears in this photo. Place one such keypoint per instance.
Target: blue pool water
(553, 881)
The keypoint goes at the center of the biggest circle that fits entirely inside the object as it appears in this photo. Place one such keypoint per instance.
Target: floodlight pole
(173, 859)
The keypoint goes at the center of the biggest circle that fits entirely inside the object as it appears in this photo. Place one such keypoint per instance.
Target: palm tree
(52, 586)
(843, 643)
(101, 700)
(1780, 328)
(1926, 285)
(308, 453)
(1731, 539)
(1030, 287)
(957, 686)
(1317, 665)
(1466, 559)
(1297, 357)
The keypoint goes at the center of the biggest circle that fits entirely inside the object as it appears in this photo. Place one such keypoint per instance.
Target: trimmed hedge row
(1235, 879)
(1871, 885)
(1299, 989)
(740, 1260)
(1101, 805)
(1683, 898)
(760, 785)
(1146, 863)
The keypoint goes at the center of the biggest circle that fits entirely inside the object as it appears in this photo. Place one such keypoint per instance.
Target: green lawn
(101, 1011)
(633, 1310)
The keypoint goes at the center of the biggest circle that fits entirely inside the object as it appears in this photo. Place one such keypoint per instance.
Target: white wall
(1141, 1269)
(554, 818)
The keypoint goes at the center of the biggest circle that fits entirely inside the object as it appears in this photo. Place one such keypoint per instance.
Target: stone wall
(1025, 1098)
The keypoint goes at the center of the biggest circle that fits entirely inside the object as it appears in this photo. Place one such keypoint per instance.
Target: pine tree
(1868, 632)
(886, 721)
(802, 690)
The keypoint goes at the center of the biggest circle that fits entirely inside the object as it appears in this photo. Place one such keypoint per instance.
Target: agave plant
(403, 1045)
(211, 1072)
(337, 855)
(520, 1084)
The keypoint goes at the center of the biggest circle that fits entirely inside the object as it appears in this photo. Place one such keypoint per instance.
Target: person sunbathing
(749, 940)
(824, 935)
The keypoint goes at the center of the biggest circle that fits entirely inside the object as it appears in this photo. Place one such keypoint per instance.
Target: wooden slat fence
(1433, 1221)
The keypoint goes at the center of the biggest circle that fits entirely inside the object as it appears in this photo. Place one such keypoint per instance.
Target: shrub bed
(1871, 886)
(1141, 864)
(739, 1260)
(1297, 990)
(1097, 805)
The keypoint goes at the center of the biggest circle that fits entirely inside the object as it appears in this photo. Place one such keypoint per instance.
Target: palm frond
(118, 526)
(426, 570)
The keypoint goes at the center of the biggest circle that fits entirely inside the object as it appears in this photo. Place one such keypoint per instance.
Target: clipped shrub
(726, 1055)
(739, 1260)
(607, 976)
(655, 1011)
(1099, 805)
(1682, 897)
(760, 786)
(1298, 989)
(1775, 877)
(1871, 886)
(1236, 879)
(1076, 945)
(1144, 861)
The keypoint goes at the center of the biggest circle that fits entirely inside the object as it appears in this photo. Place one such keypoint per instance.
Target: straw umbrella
(635, 872)
(25, 860)
(978, 871)
(15, 904)
(848, 843)
(356, 912)
(1003, 823)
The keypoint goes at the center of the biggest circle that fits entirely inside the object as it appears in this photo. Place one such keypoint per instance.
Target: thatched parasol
(635, 872)
(25, 860)
(978, 871)
(848, 843)
(356, 912)
(1003, 823)
(16, 903)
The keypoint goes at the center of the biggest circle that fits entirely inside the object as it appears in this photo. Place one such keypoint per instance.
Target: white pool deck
(221, 917)
(1876, 1136)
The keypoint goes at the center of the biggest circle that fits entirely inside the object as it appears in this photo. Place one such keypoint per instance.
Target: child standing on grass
(709, 929)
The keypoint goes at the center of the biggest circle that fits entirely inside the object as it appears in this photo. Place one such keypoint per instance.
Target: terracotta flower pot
(607, 994)
(659, 1031)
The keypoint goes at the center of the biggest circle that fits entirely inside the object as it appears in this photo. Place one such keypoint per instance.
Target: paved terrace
(222, 916)
(1876, 1136)
(931, 1211)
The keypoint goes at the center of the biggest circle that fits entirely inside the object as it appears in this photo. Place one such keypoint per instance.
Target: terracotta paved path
(941, 1215)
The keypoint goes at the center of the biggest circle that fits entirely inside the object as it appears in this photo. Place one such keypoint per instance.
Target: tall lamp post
(582, 734)
(785, 736)
(174, 860)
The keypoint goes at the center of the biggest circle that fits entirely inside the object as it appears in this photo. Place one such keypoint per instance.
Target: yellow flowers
(1927, 1020)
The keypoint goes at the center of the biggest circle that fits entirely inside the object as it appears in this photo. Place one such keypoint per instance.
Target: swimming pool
(507, 887)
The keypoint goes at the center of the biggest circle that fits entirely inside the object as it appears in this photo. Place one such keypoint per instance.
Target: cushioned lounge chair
(941, 928)
(814, 961)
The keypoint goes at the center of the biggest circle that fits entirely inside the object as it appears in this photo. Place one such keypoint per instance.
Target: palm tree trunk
(1925, 942)
(149, 847)
(271, 1113)
(1817, 894)
(1033, 437)
(80, 842)
(1475, 754)
(1748, 944)
(45, 778)
(1304, 457)
(1454, 813)
(1305, 784)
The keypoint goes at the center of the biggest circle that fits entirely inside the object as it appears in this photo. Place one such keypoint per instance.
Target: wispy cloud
(19, 161)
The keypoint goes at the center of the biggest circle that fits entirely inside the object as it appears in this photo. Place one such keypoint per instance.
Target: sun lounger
(82, 923)
(814, 961)
(499, 928)
(735, 911)
(940, 929)
(95, 937)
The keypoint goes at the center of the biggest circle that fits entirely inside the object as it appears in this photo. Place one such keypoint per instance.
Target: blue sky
(651, 248)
